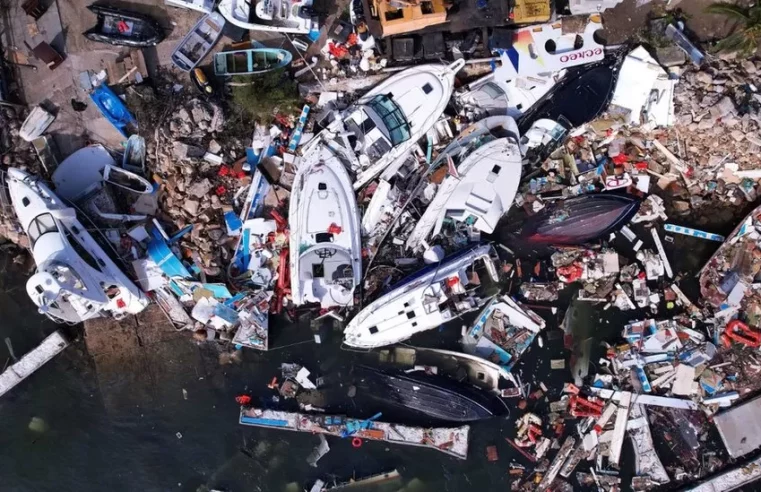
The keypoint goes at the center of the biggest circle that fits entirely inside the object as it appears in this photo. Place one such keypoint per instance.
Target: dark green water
(93, 445)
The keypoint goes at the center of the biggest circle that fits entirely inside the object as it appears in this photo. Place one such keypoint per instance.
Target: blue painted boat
(113, 109)
(251, 61)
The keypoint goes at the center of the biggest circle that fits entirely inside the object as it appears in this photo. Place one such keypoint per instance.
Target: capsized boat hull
(71, 285)
(325, 247)
(113, 109)
(35, 124)
(251, 61)
(437, 397)
(580, 219)
(124, 28)
(421, 302)
(198, 42)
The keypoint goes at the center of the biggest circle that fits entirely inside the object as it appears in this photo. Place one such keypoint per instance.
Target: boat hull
(437, 397)
(238, 12)
(581, 219)
(325, 248)
(198, 42)
(251, 61)
(124, 28)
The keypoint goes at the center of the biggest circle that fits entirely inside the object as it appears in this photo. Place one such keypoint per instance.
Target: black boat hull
(581, 219)
(437, 397)
(143, 30)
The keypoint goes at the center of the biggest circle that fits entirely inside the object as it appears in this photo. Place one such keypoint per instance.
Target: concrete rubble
(674, 153)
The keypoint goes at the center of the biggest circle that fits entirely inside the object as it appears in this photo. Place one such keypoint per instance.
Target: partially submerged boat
(270, 15)
(384, 124)
(251, 61)
(114, 110)
(198, 42)
(485, 171)
(427, 299)
(124, 28)
(728, 276)
(580, 219)
(35, 124)
(502, 332)
(76, 280)
(325, 247)
(437, 397)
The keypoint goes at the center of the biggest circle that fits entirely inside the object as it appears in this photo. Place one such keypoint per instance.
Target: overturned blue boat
(437, 397)
(114, 110)
(580, 219)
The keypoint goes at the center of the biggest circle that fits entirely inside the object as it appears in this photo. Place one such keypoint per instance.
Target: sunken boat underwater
(124, 28)
(325, 248)
(75, 280)
(580, 219)
(436, 397)
(439, 293)
(485, 171)
(502, 332)
(729, 276)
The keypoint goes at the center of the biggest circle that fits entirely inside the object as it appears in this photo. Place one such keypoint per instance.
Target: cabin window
(40, 225)
(373, 330)
(25, 201)
(427, 88)
(392, 116)
(39, 289)
(322, 186)
(318, 270)
(493, 90)
(411, 315)
(496, 169)
(481, 376)
(406, 304)
(414, 324)
(323, 237)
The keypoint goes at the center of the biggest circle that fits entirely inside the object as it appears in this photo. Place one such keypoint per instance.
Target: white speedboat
(498, 94)
(436, 294)
(291, 16)
(325, 248)
(384, 124)
(76, 280)
(502, 332)
(485, 171)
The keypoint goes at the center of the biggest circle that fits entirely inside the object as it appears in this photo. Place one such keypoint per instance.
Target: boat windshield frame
(36, 234)
(397, 126)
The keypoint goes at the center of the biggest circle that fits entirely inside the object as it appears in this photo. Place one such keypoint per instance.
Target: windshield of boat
(460, 153)
(40, 225)
(393, 118)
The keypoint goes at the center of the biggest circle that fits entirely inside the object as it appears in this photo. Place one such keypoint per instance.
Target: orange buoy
(356, 442)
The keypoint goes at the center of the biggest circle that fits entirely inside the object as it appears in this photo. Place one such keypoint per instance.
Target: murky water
(91, 446)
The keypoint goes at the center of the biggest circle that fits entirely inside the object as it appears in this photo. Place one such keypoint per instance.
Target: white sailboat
(75, 280)
(270, 15)
(485, 171)
(439, 293)
(387, 122)
(325, 248)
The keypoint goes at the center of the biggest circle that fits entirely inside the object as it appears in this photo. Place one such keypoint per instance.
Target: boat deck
(452, 441)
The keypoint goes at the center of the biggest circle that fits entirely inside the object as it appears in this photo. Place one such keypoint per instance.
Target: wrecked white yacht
(325, 248)
(498, 94)
(429, 298)
(503, 332)
(387, 122)
(484, 173)
(270, 15)
(75, 280)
